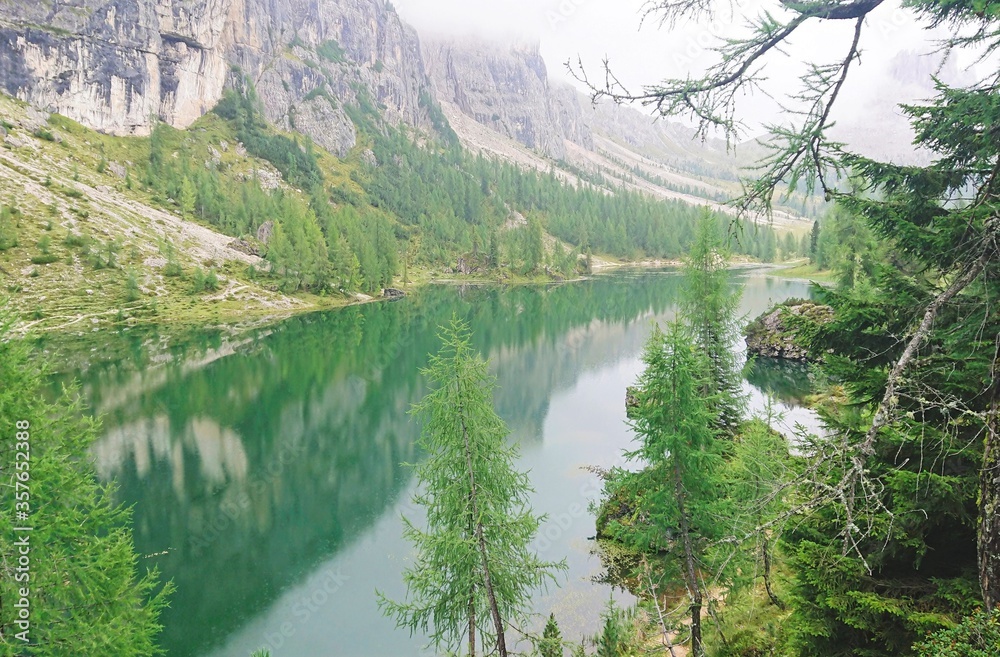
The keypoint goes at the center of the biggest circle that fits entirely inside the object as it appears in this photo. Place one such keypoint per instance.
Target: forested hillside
(400, 205)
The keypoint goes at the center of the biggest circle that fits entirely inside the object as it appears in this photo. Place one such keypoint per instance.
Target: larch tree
(939, 221)
(677, 503)
(474, 570)
(709, 303)
(757, 475)
(70, 578)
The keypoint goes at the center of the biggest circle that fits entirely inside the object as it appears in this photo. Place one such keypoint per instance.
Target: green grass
(807, 271)
(52, 278)
(75, 281)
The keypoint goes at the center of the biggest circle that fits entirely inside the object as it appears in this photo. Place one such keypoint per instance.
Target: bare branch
(885, 410)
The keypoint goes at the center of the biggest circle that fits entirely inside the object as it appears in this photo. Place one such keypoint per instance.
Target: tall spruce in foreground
(474, 571)
(86, 593)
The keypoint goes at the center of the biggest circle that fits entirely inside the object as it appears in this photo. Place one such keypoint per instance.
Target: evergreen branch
(884, 413)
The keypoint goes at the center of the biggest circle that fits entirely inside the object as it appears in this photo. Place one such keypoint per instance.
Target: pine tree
(534, 248)
(611, 640)
(551, 643)
(474, 570)
(814, 242)
(188, 197)
(86, 593)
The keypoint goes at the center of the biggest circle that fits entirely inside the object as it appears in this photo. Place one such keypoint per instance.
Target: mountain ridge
(118, 65)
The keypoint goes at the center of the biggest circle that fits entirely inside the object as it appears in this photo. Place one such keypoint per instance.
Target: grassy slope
(80, 191)
(802, 269)
(50, 170)
(70, 186)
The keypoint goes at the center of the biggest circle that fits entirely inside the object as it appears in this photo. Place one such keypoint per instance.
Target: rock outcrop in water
(782, 332)
(116, 65)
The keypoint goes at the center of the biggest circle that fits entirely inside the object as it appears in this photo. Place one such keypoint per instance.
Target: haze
(595, 29)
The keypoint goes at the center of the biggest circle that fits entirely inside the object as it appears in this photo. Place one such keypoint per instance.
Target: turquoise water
(266, 472)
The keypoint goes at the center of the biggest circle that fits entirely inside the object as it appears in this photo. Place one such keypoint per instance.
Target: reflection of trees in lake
(787, 381)
(252, 458)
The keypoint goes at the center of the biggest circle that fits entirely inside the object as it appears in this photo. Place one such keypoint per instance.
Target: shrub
(74, 240)
(9, 216)
(132, 291)
(331, 51)
(198, 281)
(976, 636)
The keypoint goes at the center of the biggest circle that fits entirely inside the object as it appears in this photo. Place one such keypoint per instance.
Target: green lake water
(266, 474)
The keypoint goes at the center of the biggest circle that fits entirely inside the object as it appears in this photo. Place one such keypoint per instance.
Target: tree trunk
(494, 610)
(989, 503)
(659, 612)
(472, 622)
(767, 576)
(487, 580)
(472, 592)
(690, 574)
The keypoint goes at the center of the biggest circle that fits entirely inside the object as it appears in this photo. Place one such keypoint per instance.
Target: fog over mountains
(116, 65)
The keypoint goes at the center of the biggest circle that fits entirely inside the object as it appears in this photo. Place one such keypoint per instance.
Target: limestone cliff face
(115, 65)
(507, 89)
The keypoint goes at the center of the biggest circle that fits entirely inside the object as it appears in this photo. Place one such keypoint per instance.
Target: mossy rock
(787, 330)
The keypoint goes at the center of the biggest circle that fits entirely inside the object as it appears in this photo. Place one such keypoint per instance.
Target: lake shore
(236, 316)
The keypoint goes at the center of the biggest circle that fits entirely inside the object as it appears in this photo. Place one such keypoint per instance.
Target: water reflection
(267, 466)
(791, 382)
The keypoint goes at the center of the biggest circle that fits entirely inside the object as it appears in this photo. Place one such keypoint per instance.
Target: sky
(594, 29)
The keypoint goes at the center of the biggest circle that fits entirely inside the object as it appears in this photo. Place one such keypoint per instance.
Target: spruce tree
(611, 642)
(551, 643)
(474, 570)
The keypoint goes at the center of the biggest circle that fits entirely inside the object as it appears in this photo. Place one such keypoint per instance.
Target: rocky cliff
(116, 65)
(507, 89)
